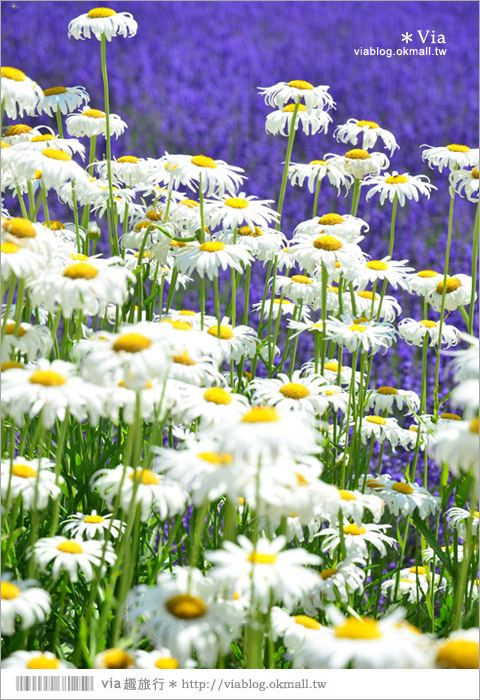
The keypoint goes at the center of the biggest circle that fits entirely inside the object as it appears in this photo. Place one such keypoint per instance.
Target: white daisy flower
(233, 343)
(20, 94)
(412, 583)
(128, 169)
(387, 398)
(25, 600)
(66, 99)
(115, 659)
(56, 167)
(181, 611)
(353, 503)
(456, 444)
(300, 394)
(403, 186)
(35, 660)
(414, 332)
(156, 401)
(402, 498)
(30, 341)
(359, 162)
(72, 556)
(209, 257)
(357, 537)
(314, 97)
(93, 122)
(263, 244)
(48, 390)
(424, 281)
(298, 288)
(279, 306)
(285, 259)
(239, 211)
(266, 568)
(345, 226)
(39, 143)
(466, 396)
(369, 132)
(327, 249)
(280, 121)
(458, 650)
(292, 629)
(382, 429)
(346, 577)
(31, 480)
(458, 517)
(452, 156)
(364, 302)
(465, 182)
(91, 525)
(394, 271)
(465, 362)
(216, 176)
(20, 133)
(331, 372)
(458, 292)
(212, 406)
(83, 285)
(35, 237)
(200, 371)
(160, 659)
(355, 333)
(315, 172)
(148, 489)
(102, 22)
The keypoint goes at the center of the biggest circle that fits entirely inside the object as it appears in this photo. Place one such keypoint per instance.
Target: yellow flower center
(47, 377)
(10, 328)
(93, 114)
(70, 547)
(428, 324)
(372, 484)
(366, 295)
(474, 173)
(300, 85)
(212, 246)
(452, 285)
(217, 395)
(13, 74)
(346, 495)
(401, 487)
(377, 265)
(307, 622)
(21, 228)
(154, 214)
(358, 629)
(203, 162)
(458, 653)
(291, 107)
(358, 154)
(301, 279)
(331, 219)
(186, 607)
(43, 662)
(247, 231)
(236, 203)
(100, 12)
(24, 471)
(94, 519)
(418, 570)
(225, 332)
(190, 203)
(131, 342)
(406, 580)
(166, 662)
(473, 428)
(371, 125)
(220, 459)
(259, 558)
(128, 159)
(57, 90)
(301, 481)
(318, 162)
(457, 148)
(79, 256)
(81, 271)
(181, 325)
(43, 137)
(450, 416)
(327, 243)
(55, 154)
(261, 414)
(357, 328)
(142, 224)
(377, 420)
(116, 658)
(294, 391)
(396, 180)
(11, 365)
(328, 573)
(332, 366)
(184, 359)
(427, 273)
(353, 529)
(145, 476)
(178, 244)
(187, 312)
(475, 514)
(9, 591)
(4, 144)
(387, 390)
(17, 129)
(281, 301)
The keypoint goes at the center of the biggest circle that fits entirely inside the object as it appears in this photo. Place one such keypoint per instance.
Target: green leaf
(430, 537)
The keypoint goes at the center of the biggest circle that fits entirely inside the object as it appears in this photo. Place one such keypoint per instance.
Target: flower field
(239, 339)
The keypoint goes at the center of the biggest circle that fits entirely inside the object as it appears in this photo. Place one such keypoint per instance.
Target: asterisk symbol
(173, 684)
(407, 37)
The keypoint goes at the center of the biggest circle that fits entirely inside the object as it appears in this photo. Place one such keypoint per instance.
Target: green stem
(59, 122)
(392, 225)
(474, 272)
(114, 237)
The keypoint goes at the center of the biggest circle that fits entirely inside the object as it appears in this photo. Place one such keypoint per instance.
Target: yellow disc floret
(128, 159)
(358, 629)
(94, 519)
(329, 243)
(100, 13)
(426, 274)
(387, 390)
(458, 653)
(225, 332)
(346, 495)
(236, 203)
(377, 265)
(258, 558)
(331, 219)
(203, 162)
(117, 658)
(217, 395)
(452, 285)
(145, 477)
(301, 279)
(43, 662)
(166, 662)
(93, 113)
(396, 180)
(57, 90)
(402, 487)
(70, 547)
(131, 342)
(55, 154)
(353, 529)
(13, 74)
(294, 390)
(24, 471)
(428, 324)
(186, 606)
(364, 122)
(291, 108)
(458, 148)
(47, 377)
(261, 414)
(377, 420)
(212, 246)
(81, 271)
(307, 622)
(300, 85)
(357, 154)
(9, 591)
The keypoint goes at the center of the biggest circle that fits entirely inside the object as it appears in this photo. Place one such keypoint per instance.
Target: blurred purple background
(187, 83)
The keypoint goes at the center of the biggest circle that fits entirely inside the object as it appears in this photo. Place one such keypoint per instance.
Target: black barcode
(53, 683)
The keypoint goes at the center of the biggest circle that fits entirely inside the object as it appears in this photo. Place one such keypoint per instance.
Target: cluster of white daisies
(91, 345)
